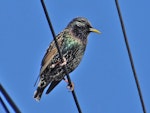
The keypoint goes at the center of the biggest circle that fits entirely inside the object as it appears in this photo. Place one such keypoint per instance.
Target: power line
(130, 57)
(60, 55)
(3, 104)
(9, 100)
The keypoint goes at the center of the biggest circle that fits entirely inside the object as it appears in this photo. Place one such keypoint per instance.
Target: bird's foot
(64, 62)
(59, 63)
(69, 86)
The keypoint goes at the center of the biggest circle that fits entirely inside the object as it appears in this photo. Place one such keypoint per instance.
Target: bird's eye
(89, 26)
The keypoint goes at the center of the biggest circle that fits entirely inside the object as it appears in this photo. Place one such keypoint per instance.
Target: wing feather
(51, 52)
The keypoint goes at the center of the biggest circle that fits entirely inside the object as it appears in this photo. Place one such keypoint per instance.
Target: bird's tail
(38, 93)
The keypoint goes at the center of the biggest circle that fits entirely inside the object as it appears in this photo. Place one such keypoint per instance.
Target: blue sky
(104, 81)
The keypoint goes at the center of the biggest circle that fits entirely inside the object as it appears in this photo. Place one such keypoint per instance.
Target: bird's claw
(64, 62)
(59, 63)
(70, 86)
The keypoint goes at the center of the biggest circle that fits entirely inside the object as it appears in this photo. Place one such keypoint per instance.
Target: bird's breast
(73, 52)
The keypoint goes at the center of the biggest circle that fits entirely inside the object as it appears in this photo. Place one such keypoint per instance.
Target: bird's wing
(52, 86)
(51, 52)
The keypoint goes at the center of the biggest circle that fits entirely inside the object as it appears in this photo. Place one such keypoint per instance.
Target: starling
(72, 42)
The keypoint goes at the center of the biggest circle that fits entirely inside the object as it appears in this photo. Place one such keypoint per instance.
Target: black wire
(60, 55)
(130, 57)
(9, 100)
(3, 104)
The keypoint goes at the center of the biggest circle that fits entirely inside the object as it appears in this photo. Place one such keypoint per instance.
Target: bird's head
(81, 27)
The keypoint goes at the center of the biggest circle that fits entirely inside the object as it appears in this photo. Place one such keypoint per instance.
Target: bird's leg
(59, 63)
(69, 86)
(64, 62)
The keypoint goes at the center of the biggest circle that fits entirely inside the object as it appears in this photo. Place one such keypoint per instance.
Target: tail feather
(38, 93)
(41, 86)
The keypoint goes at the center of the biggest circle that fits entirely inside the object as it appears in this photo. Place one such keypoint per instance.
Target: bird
(72, 43)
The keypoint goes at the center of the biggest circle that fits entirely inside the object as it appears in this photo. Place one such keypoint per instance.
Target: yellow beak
(94, 30)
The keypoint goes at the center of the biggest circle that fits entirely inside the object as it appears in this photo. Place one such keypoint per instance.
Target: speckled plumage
(72, 42)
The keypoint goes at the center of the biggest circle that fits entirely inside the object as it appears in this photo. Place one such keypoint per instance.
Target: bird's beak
(94, 30)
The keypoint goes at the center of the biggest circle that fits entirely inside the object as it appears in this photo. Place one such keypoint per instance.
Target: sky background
(104, 81)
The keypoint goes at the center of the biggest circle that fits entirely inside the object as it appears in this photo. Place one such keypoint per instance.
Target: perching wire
(60, 55)
(130, 57)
